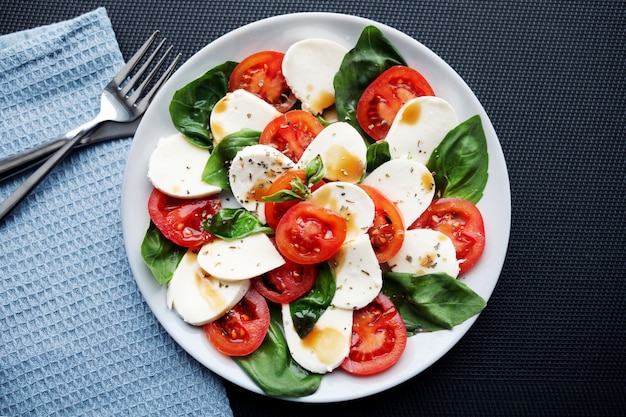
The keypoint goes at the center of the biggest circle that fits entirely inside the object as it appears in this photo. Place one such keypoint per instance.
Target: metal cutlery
(122, 101)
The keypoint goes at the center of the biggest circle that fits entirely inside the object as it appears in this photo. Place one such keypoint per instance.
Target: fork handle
(38, 154)
(17, 163)
(36, 177)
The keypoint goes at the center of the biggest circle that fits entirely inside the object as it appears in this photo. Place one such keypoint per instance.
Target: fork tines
(127, 87)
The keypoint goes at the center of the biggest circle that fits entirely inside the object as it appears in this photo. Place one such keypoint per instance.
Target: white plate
(278, 33)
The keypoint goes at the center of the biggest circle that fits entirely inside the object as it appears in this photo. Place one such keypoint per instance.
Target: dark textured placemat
(552, 77)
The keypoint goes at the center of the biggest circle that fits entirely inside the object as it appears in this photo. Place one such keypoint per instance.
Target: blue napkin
(76, 336)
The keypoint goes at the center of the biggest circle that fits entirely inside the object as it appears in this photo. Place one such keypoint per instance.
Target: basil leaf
(234, 223)
(273, 369)
(299, 190)
(370, 57)
(216, 168)
(314, 171)
(431, 302)
(191, 106)
(160, 254)
(377, 154)
(282, 196)
(306, 310)
(460, 162)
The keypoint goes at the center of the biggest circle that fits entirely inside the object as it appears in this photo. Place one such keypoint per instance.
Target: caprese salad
(315, 209)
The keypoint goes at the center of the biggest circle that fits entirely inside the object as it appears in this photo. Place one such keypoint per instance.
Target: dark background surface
(552, 77)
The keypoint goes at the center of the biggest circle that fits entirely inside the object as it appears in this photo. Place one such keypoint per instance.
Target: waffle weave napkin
(76, 336)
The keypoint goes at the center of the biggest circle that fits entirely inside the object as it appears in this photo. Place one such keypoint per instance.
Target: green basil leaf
(273, 369)
(234, 223)
(282, 196)
(191, 106)
(297, 192)
(370, 57)
(300, 190)
(431, 302)
(377, 154)
(460, 162)
(306, 310)
(314, 171)
(216, 169)
(160, 255)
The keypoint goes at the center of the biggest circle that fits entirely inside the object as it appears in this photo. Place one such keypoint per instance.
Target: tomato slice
(261, 74)
(241, 330)
(462, 222)
(180, 220)
(309, 234)
(291, 133)
(275, 211)
(387, 232)
(286, 283)
(378, 338)
(382, 99)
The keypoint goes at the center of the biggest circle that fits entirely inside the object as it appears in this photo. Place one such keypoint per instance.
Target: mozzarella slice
(425, 251)
(342, 150)
(239, 259)
(407, 183)
(420, 125)
(326, 346)
(357, 274)
(350, 201)
(309, 67)
(239, 110)
(252, 172)
(175, 168)
(198, 297)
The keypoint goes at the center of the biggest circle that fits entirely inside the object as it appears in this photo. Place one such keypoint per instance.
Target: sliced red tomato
(180, 220)
(378, 338)
(387, 232)
(261, 74)
(275, 211)
(382, 99)
(286, 283)
(241, 330)
(462, 222)
(309, 234)
(291, 133)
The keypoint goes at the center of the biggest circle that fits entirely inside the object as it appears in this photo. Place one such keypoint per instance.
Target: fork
(37, 155)
(123, 100)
